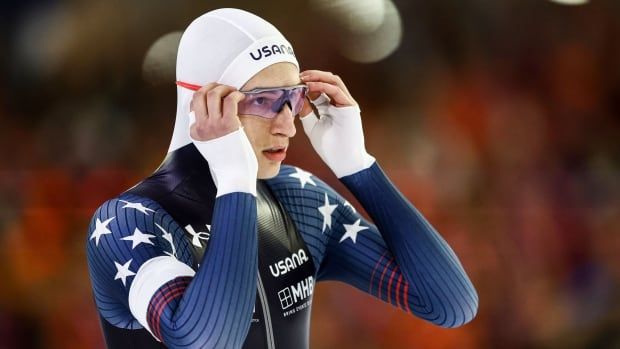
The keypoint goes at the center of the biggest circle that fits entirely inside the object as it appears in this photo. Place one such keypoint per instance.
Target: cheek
(256, 130)
(245, 122)
(248, 128)
(253, 131)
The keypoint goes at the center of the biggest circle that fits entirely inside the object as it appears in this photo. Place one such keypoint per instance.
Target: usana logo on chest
(287, 264)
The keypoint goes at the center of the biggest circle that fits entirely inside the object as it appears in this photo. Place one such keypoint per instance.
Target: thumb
(314, 95)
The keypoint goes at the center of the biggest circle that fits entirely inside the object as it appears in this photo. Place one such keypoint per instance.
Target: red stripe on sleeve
(407, 297)
(398, 291)
(166, 294)
(372, 276)
(382, 275)
(389, 293)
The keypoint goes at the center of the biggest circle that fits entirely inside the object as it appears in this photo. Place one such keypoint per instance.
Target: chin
(269, 172)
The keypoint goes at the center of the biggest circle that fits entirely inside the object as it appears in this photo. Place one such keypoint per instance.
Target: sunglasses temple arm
(188, 85)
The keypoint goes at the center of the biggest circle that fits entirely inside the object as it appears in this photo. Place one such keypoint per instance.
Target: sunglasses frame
(267, 89)
(259, 90)
(253, 91)
(194, 87)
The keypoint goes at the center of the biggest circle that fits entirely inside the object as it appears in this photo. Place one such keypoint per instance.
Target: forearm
(214, 310)
(425, 259)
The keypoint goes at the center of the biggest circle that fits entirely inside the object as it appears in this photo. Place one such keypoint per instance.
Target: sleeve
(139, 268)
(402, 260)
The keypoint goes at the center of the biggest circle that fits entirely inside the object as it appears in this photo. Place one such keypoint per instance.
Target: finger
(231, 102)
(335, 93)
(322, 76)
(315, 73)
(214, 100)
(318, 75)
(198, 104)
(321, 100)
(314, 95)
(206, 88)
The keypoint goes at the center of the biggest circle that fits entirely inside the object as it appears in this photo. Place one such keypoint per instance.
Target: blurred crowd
(499, 120)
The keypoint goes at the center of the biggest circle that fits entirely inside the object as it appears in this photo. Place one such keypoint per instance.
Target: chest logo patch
(287, 264)
(197, 236)
(296, 293)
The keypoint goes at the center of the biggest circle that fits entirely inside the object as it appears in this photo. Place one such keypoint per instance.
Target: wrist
(353, 164)
(232, 162)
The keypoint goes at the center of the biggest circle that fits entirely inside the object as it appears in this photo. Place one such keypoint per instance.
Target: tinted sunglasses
(266, 102)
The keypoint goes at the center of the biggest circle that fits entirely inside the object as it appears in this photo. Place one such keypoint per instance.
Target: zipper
(262, 295)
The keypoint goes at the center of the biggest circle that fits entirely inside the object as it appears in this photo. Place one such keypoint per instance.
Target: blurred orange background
(499, 120)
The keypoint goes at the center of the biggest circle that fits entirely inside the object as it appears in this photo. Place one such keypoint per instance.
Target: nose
(284, 122)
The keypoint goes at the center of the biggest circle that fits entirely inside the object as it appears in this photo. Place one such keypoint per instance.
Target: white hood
(227, 46)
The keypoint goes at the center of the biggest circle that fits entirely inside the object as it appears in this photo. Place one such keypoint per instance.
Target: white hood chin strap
(228, 46)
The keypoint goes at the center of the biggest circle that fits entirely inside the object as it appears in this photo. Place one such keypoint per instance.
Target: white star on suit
(352, 230)
(137, 205)
(138, 237)
(168, 237)
(303, 176)
(348, 204)
(101, 228)
(326, 210)
(122, 271)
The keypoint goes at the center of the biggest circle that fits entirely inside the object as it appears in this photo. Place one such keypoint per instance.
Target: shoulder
(124, 212)
(124, 233)
(297, 187)
(297, 181)
(125, 224)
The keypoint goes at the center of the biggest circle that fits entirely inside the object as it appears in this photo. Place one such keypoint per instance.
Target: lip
(279, 155)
